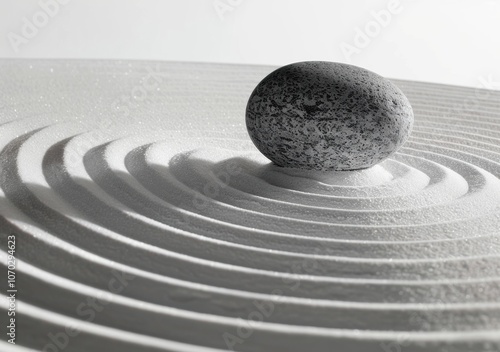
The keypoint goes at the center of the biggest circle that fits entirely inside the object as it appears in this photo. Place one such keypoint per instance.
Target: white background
(449, 41)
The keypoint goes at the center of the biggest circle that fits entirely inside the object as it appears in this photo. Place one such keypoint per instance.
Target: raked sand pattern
(147, 220)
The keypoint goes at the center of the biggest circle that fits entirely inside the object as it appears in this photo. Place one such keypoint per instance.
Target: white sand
(106, 168)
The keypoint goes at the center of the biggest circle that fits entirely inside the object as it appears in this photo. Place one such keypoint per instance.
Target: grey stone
(327, 116)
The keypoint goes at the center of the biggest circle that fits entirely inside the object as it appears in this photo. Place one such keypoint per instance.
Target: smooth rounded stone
(327, 116)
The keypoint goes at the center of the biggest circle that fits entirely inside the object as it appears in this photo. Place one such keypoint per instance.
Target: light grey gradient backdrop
(448, 41)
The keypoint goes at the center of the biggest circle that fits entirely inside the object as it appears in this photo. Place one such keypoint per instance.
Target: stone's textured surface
(327, 116)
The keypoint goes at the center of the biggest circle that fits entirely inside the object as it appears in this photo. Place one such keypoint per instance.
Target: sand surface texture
(146, 219)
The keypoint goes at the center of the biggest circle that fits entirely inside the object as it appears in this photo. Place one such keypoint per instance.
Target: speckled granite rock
(327, 116)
